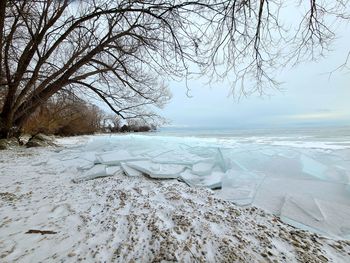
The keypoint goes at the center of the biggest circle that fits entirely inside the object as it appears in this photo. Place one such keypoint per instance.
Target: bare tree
(121, 51)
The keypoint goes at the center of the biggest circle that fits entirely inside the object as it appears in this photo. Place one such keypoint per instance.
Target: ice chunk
(312, 167)
(150, 153)
(158, 170)
(85, 165)
(268, 152)
(179, 157)
(89, 156)
(116, 157)
(221, 160)
(320, 215)
(189, 178)
(130, 171)
(240, 187)
(203, 168)
(97, 171)
(303, 207)
(112, 170)
(213, 181)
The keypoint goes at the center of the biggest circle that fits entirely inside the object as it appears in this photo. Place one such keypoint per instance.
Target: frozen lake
(303, 176)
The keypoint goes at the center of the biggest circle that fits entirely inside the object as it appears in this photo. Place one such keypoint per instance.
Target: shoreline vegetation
(47, 217)
(70, 116)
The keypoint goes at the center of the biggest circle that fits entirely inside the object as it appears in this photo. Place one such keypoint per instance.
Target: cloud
(319, 115)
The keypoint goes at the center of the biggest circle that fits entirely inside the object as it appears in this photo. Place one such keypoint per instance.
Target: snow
(92, 192)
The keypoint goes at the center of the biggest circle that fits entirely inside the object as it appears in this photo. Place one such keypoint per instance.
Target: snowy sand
(135, 219)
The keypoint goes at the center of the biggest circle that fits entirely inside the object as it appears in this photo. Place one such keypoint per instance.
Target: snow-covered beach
(134, 219)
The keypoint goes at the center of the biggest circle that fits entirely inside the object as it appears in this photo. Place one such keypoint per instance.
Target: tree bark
(2, 23)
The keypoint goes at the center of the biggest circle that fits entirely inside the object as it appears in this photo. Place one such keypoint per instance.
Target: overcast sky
(308, 97)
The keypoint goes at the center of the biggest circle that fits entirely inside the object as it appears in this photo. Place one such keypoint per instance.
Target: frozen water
(213, 181)
(97, 171)
(203, 168)
(130, 171)
(313, 167)
(304, 206)
(307, 187)
(112, 170)
(157, 170)
(240, 187)
(116, 157)
(319, 215)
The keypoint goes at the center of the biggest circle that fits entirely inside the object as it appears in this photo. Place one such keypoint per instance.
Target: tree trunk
(2, 21)
(6, 126)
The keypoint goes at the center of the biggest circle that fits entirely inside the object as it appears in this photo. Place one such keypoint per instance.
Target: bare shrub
(65, 116)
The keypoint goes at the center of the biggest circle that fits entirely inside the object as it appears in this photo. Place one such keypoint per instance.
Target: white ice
(307, 187)
(130, 171)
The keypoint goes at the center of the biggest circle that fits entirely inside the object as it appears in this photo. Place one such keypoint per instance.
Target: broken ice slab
(189, 178)
(67, 156)
(221, 160)
(38, 163)
(130, 171)
(268, 152)
(113, 170)
(304, 207)
(97, 171)
(203, 168)
(246, 160)
(85, 165)
(240, 187)
(179, 157)
(97, 143)
(158, 170)
(319, 215)
(213, 181)
(116, 157)
(89, 156)
(313, 167)
(150, 153)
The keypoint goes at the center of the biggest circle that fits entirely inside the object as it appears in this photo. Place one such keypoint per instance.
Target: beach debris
(40, 140)
(42, 232)
(6, 196)
(8, 143)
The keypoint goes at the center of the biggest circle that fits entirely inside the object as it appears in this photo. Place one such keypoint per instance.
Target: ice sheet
(116, 157)
(130, 171)
(97, 171)
(112, 170)
(240, 187)
(320, 215)
(203, 168)
(214, 181)
(305, 186)
(158, 170)
(313, 167)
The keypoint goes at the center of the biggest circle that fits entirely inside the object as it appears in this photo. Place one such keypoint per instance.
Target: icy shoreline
(306, 187)
(121, 219)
